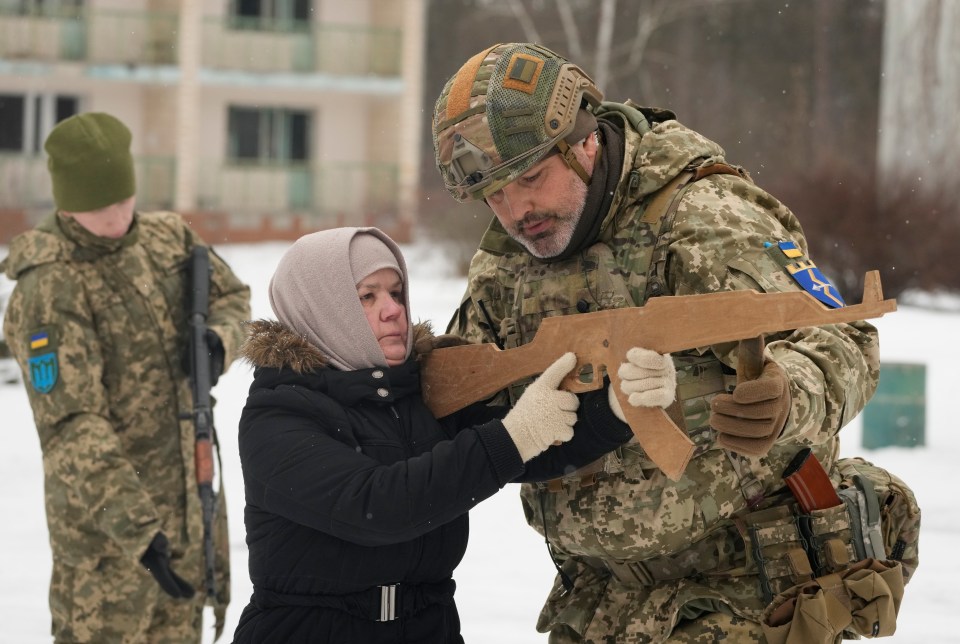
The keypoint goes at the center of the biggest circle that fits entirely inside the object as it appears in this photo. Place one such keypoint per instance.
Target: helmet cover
(504, 111)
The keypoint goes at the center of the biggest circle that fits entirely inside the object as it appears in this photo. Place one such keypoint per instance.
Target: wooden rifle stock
(455, 377)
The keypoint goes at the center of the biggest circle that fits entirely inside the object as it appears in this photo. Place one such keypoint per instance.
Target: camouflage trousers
(713, 627)
(117, 601)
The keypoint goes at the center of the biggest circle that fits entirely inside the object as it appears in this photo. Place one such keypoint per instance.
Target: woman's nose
(391, 309)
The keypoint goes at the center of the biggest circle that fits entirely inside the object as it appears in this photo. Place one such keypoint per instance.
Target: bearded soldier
(98, 324)
(601, 205)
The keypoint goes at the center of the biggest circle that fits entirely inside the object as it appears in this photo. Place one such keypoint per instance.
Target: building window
(25, 120)
(11, 123)
(268, 135)
(47, 8)
(271, 15)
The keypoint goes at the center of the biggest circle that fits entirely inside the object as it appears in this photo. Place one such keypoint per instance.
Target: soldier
(601, 205)
(98, 325)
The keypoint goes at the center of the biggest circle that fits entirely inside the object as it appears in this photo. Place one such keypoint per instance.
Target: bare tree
(617, 50)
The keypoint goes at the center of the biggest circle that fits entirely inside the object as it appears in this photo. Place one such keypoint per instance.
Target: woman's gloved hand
(648, 378)
(544, 414)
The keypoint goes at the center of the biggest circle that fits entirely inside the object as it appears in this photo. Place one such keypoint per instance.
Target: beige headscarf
(314, 292)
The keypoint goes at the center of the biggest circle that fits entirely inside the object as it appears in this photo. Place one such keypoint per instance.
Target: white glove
(648, 378)
(544, 414)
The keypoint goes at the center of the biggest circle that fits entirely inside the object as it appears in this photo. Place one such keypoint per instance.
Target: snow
(506, 573)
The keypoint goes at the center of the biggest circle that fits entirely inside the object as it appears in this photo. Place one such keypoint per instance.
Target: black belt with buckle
(377, 604)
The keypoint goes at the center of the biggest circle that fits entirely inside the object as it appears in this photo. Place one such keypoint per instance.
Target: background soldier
(98, 324)
(602, 205)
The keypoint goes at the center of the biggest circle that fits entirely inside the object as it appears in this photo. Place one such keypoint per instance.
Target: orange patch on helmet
(458, 101)
(523, 71)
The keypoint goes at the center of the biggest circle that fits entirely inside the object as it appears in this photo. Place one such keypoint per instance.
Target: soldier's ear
(591, 143)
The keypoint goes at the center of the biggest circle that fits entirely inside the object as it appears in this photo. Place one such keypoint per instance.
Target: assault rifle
(202, 415)
(454, 377)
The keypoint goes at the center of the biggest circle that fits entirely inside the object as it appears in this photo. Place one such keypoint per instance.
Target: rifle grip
(750, 358)
(667, 445)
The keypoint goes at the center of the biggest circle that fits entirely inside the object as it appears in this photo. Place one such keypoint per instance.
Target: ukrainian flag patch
(789, 249)
(809, 277)
(39, 340)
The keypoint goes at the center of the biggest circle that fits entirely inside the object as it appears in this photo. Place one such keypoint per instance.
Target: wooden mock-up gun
(455, 377)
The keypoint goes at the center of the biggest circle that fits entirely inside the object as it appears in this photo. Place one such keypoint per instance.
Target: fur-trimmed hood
(271, 344)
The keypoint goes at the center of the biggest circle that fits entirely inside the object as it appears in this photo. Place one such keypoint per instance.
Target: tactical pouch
(861, 554)
(791, 547)
(776, 545)
(863, 599)
(896, 535)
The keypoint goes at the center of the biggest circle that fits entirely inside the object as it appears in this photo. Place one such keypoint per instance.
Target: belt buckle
(388, 603)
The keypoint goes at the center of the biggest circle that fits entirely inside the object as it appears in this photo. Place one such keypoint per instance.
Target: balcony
(228, 44)
(316, 49)
(91, 37)
(324, 194)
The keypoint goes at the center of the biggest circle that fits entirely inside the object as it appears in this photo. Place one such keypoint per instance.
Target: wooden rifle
(455, 377)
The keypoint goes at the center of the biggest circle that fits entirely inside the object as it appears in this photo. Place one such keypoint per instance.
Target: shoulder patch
(44, 366)
(789, 249)
(815, 283)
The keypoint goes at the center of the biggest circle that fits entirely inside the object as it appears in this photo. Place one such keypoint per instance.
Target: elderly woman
(356, 496)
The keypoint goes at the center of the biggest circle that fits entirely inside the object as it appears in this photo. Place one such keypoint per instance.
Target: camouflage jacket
(725, 235)
(99, 329)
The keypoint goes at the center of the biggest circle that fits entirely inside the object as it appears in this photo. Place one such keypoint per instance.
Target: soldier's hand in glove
(425, 345)
(157, 561)
(544, 414)
(750, 420)
(648, 378)
(215, 347)
(214, 351)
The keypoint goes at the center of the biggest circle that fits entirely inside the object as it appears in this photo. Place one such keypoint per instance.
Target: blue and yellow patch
(789, 249)
(43, 362)
(39, 340)
(44, 371)
(815, 283)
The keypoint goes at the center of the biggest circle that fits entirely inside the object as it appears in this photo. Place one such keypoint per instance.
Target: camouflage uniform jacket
(724, 236)
(108, 315)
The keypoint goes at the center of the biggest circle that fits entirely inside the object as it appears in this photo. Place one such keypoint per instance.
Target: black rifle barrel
(200, 382)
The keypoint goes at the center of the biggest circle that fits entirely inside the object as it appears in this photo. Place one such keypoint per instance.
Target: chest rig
(625, 268)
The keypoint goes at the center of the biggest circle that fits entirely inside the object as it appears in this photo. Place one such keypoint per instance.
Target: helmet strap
(566, 152)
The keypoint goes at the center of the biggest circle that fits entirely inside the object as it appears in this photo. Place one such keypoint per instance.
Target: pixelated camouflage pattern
(899, 511)
(118, 448)
(115, 602)
(507, 125)
(632, 512)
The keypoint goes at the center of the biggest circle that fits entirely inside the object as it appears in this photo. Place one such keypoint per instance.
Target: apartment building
(256, 119)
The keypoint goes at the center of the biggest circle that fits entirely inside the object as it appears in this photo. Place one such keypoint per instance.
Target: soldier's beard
(555, 240)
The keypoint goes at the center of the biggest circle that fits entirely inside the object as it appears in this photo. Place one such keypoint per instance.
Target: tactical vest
(625, 267)
(627, 534)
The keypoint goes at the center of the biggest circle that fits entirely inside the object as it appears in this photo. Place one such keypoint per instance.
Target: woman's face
(381, 295)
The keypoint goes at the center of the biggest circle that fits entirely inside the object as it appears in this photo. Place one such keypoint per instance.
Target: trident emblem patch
(44, 371)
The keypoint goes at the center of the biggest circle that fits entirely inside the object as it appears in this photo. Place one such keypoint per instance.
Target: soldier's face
(381, 296)
(112, 222)
(541, 208)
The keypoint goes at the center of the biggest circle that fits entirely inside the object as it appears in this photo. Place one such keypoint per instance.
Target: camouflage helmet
(505, 110)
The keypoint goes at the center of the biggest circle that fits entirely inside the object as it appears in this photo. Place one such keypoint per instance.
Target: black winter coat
(353, 486)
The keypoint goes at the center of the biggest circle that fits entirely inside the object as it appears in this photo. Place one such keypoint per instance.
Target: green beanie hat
(90, 163)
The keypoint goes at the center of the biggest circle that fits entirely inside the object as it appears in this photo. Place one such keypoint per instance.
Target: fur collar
(271, 344)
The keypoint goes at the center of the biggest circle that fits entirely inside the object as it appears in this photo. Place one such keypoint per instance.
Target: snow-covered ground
(506, 573)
